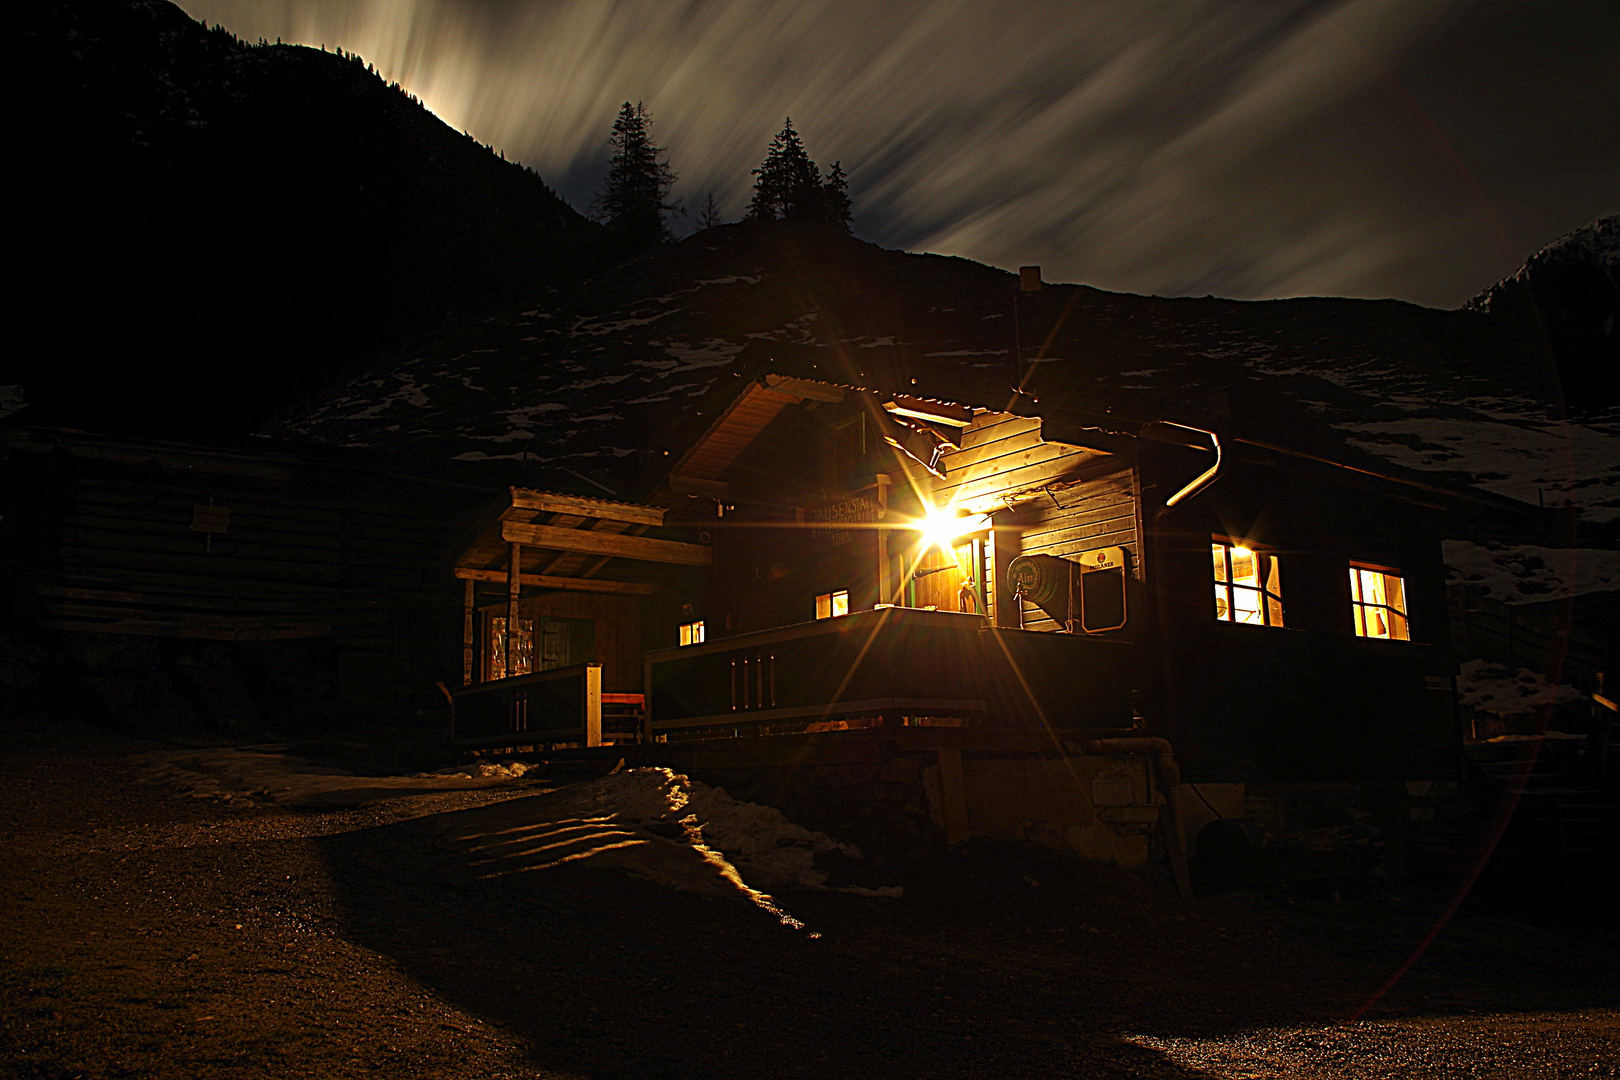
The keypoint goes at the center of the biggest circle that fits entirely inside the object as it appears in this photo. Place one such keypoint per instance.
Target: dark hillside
(211, 231)
(1570, 292)
(607, 376)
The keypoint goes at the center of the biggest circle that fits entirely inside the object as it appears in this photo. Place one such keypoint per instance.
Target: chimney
(1029, 279)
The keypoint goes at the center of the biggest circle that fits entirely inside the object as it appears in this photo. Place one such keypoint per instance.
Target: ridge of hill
(607, 378)
(217, 230)
(1570, 291)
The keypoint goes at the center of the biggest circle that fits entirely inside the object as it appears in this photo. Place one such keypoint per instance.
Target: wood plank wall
(1089, 501)
(312, 549)
(1098, 511)
(1002, 453)
(618, 632)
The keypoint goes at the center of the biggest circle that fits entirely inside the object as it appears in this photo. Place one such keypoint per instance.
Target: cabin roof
(919, 428)
(564, 541)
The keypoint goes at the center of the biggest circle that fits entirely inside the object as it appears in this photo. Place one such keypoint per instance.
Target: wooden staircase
(624, 718)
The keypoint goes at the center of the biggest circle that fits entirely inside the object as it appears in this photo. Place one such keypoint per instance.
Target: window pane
(1219, 552)
(1396, 595)
(1274, 611)
(1245, 567)
(1223, 606)
(824, 606)
(1397, 627)
(1355, 589)
(1246, 606)
(1372, 587)
(840, 603)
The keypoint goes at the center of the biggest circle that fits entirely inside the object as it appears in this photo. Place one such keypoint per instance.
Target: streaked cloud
(1248, 149)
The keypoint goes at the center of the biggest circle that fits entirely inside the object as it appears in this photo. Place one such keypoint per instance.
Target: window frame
(690, 633)
(1272, 609)
(833, 598)
(1359, 606)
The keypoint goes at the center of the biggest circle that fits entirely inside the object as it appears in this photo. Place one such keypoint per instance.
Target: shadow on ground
(997, 962)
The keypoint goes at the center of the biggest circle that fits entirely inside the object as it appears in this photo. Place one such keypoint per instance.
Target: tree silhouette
(633, 200)
(789, 184)
(835, 205)
(708, 215)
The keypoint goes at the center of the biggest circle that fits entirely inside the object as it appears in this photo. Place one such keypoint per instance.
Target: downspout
(1203, 479)
(1169, 774)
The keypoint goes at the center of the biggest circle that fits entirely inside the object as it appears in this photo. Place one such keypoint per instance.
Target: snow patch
(1525, 573)
(1534, 463)
(710, 353)
(1502, 691)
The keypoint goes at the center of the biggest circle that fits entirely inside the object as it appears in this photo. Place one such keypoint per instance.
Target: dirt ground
(149, 934)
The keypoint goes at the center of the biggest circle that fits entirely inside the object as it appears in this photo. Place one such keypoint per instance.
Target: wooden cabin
(855, 558)
(1274, 614)
(1008, 601)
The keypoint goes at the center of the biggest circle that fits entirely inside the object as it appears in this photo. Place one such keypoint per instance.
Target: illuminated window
(522, 647)
(1248, 585)
(692, 633)
(1378, 599)
(830, 605)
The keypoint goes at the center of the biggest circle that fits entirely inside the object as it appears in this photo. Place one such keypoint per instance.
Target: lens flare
(943, 525)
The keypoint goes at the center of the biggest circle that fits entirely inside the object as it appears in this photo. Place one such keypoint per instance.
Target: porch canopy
(548, 540)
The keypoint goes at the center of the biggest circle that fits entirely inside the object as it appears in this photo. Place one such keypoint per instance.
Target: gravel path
(148, 935)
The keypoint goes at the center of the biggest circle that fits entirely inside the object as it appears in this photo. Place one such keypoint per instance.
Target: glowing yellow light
(942, 526)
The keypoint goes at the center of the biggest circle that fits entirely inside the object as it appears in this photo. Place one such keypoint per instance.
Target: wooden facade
(828, 504)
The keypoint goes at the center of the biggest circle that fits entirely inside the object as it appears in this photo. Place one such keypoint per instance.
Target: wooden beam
(548, 502)
(467, 632)
(696, 485)
(544, 581)
(514, 589)
(616, 545)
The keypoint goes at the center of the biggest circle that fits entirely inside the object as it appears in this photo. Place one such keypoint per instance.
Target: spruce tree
(633, 201)
(708, 216)
(789, 184)
(835, 205)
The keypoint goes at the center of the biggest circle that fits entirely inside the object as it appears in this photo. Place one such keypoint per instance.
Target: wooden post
(514, 586)
(952, 796)
(593, 705)
(883, 567)
(1006, 543)
(467, 632)
(646, 702)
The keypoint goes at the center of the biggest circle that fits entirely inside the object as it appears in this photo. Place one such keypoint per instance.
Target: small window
(522, 647)
(1378, 601)
(833, 604)
(692, 633)
(1248, 585)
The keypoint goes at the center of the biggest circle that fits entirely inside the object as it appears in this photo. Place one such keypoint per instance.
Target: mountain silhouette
(212, 231)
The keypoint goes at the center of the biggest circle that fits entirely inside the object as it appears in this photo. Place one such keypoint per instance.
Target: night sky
(1410, 149)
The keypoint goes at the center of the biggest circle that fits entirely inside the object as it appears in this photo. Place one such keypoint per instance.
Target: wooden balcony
(561, 707)
(891, 666)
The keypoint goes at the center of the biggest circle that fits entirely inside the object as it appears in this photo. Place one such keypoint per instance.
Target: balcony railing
(899, 665)
(562, 705)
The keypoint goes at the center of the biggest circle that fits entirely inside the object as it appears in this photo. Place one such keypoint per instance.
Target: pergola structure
(546, 540)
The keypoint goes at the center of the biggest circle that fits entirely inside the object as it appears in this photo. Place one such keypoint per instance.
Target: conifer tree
(835, 205)
(789, 184)
(633, 201)
(708, 216)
